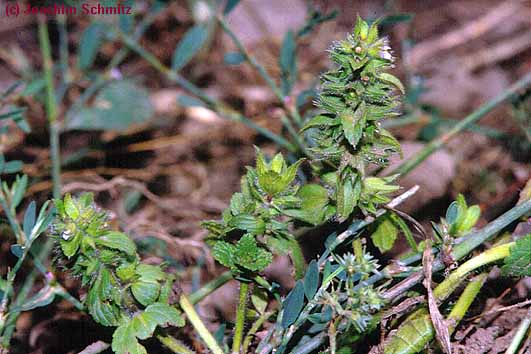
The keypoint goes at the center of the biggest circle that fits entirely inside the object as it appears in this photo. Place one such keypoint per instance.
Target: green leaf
(29, 219)
(320, 121)
(125, 342)
(314, 199)
(385, 235)
(288, 62)
(248, 223)
(518, 264)
(250, 256)
(150, 272)
(259, 299)
(353, 124)
(89, 44)
(223, 253)
(157, 314)
(452, 213)
(233, 58)
(122, 100)
(231, 4)
(101, 310)
(347, 197)
(44, 297)
(311, 280)
(70, 247)
(292, 305)
(17, 250)
(471, 218)
(145, 292)
(70, 207)
(117, 240)
(19, 189)
(271, 182)
(189, 45)
(393, 80)
(12, 167)
(291, 172)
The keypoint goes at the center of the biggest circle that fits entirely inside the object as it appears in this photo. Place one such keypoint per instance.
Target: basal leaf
(189, 45)
(292, 305)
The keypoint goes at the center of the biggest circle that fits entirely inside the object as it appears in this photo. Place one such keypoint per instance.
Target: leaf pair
(245, 255)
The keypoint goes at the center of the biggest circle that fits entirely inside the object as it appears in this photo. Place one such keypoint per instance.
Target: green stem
(439, 142)
(51, 105)
(254, 328)
(465, 300)
(240, 318)
(212, 103)
(199, 326)
(209, 287)
(520, 333)
(174, 344)
(261, 70)
(445, 289)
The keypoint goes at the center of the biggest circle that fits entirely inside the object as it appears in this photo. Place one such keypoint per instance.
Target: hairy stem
(199, 326)
(240, 318)
(408, 165)
(174, 344)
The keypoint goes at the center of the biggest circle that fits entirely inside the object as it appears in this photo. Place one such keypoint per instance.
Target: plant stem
(51, 105)
(465, 300)
(408, 165)
(254, 328)
(174, 344)
(445, 289)
(297, 257)
(212, 103)
(199, 326)
(520, 333)
(294, 115)
(209, 287)
(240, 318)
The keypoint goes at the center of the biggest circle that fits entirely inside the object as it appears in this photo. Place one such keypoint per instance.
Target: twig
(503, 309)
(408, 165)
(174, 344)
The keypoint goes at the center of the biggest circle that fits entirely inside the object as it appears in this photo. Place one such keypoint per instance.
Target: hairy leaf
(117, 240)
(518, 264)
